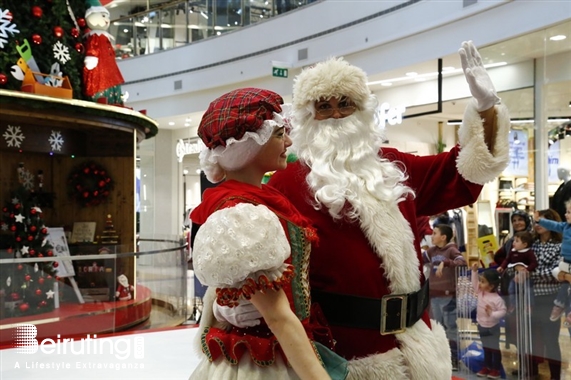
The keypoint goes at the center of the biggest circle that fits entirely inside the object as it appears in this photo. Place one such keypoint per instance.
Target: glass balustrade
(180, 23)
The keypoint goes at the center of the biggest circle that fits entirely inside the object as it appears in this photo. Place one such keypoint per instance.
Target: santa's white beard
(343, 155)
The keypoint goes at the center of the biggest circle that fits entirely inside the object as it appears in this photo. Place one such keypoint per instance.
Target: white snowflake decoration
(56, 141)
(61, 52)
(4, 227)
(6, 27)
(14, 136)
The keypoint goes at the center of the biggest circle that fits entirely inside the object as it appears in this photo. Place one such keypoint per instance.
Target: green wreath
(89, 184)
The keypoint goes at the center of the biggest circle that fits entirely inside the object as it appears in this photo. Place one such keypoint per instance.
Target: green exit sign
(277, 72)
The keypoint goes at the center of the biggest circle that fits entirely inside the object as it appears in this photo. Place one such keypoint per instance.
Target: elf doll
(101, 75)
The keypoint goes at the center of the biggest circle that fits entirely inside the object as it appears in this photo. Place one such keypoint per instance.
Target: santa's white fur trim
(475, 162)
(334, 77)
(391, 237)
(424, 354)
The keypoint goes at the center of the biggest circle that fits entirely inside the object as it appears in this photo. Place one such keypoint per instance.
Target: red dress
(106, 74)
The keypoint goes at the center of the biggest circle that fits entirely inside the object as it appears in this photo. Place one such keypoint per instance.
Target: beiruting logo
(121, 348)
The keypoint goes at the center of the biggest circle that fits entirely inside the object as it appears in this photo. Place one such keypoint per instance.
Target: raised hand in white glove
(243, 315)
(481, 85)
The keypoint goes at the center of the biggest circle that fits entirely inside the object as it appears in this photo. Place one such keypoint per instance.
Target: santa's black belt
(391, 314)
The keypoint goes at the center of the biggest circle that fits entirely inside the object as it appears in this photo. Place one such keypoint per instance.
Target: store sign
(390, 115)
(186, 147)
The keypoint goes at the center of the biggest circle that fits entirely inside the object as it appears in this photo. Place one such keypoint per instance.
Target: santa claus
(366, 273)
(124, 290)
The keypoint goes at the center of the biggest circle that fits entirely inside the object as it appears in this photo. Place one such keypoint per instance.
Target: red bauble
(33, 211)
(9, 250)
(50, 253)
(81, 22)
(38, 292)
(44, 231)
(101, 183)
(74, 32)
(79, 48)
(15, 296)
(43, 303)
(95, 193)
(37, 12)
(11, 216)
(86, 170)
(55, 264)
(13, 228)
(5, 209)
(32, 252)
(40, 255)
(37, 39)
(41, 280)
(24, 307)
(30, 238)
(20, 267)
(27, 277)
(58, 31)
(3, 79)
(18, 239)
(49, 277)
(86, 194)
(17, 206)
(33, 228)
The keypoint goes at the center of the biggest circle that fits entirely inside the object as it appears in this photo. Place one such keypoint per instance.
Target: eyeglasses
(328, 112)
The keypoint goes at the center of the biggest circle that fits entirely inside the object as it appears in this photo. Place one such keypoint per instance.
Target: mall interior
(178, 56)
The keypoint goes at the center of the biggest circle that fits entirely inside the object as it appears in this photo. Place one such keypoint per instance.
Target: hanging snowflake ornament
(6, 27)
(56, 141)
(14, 136)
(61, 52)
(4, 227)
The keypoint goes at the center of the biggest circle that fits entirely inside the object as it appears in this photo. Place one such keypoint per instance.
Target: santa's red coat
(344, 262)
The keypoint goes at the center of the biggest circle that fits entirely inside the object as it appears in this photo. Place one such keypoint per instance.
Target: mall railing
(85, 295)
(179, 23)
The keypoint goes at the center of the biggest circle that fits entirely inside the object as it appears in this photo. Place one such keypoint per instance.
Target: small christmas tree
(28, 286)
(109, 235)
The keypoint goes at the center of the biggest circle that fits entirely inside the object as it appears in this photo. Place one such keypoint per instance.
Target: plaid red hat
(237, 112)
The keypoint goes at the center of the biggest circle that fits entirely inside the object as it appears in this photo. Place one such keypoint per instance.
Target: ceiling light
(558, 37)
(171, 122)
(188, 119)
(186, 124)
(411, 74)
(203, 15)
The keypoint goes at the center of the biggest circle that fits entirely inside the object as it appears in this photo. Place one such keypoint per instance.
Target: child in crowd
(490, 310)
(522, 259)
(563, 271)
(444, 257)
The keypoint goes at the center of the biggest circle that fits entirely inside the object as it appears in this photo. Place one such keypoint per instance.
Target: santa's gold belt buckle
(393, 301)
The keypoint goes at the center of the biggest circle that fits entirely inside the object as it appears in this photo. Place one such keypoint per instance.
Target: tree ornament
(24, 307)
(79, 48)
(41, 280)
(50, 253)
(20, 267)
(33, 211)
(43, 303)
(33, 228)
(38, 292)
(74, 32)
(37, 12)
(58, 31)
(36, 38)
(30, 238)
(81, 22)
(13, 228)
(15, 296)
(44, 231)
(3, 79)
(32, 252)
(6, 26)
(27, 277)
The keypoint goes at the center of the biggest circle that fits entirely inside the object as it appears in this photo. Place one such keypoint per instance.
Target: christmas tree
(42, 36)
(28, 287)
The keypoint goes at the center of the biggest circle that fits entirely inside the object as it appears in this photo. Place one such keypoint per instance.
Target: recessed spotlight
(411, 74)
(558, 37)
(388, 84)
(171, 122)
(188, 119)
(186, 124)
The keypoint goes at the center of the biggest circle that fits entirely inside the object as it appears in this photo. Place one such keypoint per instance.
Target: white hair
(344, 157)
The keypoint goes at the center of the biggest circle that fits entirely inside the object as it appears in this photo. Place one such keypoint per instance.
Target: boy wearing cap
(254, 245)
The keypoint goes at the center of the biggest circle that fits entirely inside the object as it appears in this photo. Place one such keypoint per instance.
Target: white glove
(243, 315)
(90, 62)
(481, 85)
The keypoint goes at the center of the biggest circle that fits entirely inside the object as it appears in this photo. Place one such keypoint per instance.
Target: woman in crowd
(544, 332)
